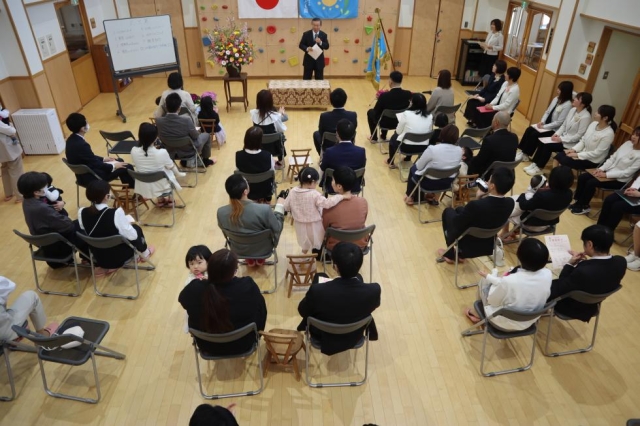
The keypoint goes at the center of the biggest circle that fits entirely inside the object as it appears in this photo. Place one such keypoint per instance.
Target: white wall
(561, 33)
(584, 31)
(122, 7)
(25, 36)
(99, 10)
(489, 10)
(550, 3)
(622, 68)
(189, 13)
(44, 23)
(621, 11)
(11, 61)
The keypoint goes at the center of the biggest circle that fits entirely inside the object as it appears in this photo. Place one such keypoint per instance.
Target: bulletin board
(349, 39)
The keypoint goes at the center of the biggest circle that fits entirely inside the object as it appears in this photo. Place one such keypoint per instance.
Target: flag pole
(384, 33)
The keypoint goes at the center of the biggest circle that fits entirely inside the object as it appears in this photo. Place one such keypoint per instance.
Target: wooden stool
(299, 159)
(211, 125)
(300, 270)
(282, 348)
(227, 90)
(126, 198)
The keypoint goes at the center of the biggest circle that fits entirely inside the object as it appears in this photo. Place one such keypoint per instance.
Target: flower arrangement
(380, 92)
(197, 99)
(230, 46)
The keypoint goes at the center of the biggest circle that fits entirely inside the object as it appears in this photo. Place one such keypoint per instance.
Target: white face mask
(86, 128)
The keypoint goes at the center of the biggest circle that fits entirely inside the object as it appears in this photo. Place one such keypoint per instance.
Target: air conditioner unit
(39, 131)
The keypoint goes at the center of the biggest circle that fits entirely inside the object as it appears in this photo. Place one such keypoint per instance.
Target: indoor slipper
(472, 317)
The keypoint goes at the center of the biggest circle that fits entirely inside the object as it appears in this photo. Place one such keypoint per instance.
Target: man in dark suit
(174, 126)
(593, 271)
(329, 120)
(490, 211)
(345, 153)
(396, 98)
(500, 146)
(309, 39)
(79, 152)
(343, 300)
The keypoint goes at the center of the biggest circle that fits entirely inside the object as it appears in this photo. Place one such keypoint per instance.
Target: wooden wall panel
(195, 52)
(26, 92)
(425, 17)
(41, 84)
(543, 95)
(579, 83)
(84, 73)
(402, 51)
(62, 83)
(173, 8)
(10, 99)
(449, 20)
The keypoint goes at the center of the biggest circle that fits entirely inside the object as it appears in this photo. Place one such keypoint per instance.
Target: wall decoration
(582, 69)
(292, 29)
(589, 59)
(328, 9)
(214, 7)
(271, 29)
(368, 29)
(248, 9)
(293, 61)
(592, 47)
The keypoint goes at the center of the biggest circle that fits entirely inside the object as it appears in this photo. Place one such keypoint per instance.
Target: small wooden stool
(282, 347)
(300, 270)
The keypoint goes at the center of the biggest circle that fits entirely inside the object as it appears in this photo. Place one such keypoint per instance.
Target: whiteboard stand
(115, 76)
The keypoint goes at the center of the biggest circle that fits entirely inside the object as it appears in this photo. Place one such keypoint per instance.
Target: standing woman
(551, 120)
(10, 157)
(442, 95)
(569, 134)
(486, 95)
(594, 145)
(269, 120)
(492, 47)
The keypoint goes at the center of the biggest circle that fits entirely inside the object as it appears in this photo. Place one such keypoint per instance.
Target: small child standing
(305, 204)
(196, 261)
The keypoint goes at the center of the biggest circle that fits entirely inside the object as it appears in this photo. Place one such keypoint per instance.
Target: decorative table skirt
(300, 93)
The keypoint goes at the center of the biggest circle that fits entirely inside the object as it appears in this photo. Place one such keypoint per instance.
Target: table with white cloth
(300, 93)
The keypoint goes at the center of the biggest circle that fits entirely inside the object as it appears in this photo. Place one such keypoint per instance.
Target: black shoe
(208, 162)
(283, 193)
(183, 163)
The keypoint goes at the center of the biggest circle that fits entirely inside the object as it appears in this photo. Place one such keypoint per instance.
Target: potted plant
(230, 47)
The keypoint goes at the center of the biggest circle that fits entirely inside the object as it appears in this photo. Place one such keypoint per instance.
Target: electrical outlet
(466, 24)
(197, 64)
(93, 22)
(605, 75)
(398, 63)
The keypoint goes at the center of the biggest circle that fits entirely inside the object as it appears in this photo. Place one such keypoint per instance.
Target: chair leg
(573, 351)
(12, 384)
(508, 371)
(339, 384)
(71, 397)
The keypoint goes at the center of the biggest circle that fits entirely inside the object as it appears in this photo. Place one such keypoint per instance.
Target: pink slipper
(250, 262)
(441, 253)
(51, 328)
(8, 198)
(472, 317)
(260, 262)
(152, 250)
(101, 272)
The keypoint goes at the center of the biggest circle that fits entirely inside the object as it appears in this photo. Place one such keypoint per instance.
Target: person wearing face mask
(42, 218)
(79, 152)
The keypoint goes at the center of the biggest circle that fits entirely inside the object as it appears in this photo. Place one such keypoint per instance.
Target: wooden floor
(422, 372)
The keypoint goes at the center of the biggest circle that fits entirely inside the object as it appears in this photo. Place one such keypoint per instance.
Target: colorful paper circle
(271, 29)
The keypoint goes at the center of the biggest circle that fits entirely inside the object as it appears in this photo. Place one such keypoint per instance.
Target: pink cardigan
(306, 204)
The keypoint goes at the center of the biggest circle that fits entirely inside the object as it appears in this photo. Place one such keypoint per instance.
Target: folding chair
(513, 111)
(125, 197)
(42, 241)
(490, 329)
(541, 214)
(7, 347)
(210, 124)
(582, 297)
(124, 142)
(107, 243)
(349, 236)
(232, 336)
(259, 178)
(80, 169)
(461, 195)
(389, 114)
(472, 138)
(437, 173)
(421, 141)
(282, 347)
(331, 328)
(152, 177)
(300, 271)
(328, 176)
(236, 240)
(511, 165)
(50, 350)
(476, 233)
(449, 110)
(299, 159)
(274, 144)
(184, 149)
(328, 140)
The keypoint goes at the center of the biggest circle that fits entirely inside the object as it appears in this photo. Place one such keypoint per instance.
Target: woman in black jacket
(486, 95)
(224, 303)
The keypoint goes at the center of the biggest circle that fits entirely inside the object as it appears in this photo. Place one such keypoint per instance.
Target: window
(72, 31)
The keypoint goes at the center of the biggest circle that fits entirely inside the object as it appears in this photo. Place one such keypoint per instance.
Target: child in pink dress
(305, 204)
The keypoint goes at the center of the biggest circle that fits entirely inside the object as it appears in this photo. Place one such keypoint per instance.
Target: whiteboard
(145, 42)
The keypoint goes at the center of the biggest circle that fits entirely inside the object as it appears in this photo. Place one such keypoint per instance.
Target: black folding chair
(185, 150)
(273, 143)
(152, 177)
(439, 174)
(472, 138)
(390, 115)
(235, 240)
(80, 169)
(419, 144)
(123, 142)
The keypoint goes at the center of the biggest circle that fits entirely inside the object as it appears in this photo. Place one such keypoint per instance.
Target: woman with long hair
(224, 303)
(415, 120)
(270, 120)
(252, 159)
(148, 158)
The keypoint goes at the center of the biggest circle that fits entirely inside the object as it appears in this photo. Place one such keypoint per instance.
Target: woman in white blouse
(551, 121)
(621, 166)
(175, 83)
(571, 131)
(445, 155)
(147, 159)
(492, 46)
(506, 99)
(269, 120)
(414, 120)
(594, 145)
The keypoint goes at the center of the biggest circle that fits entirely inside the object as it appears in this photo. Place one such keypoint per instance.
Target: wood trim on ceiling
(607, 21)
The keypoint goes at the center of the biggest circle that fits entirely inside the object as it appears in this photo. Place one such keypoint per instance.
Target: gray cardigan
(441, 97)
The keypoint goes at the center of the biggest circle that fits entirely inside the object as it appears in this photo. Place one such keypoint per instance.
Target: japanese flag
(248, 9)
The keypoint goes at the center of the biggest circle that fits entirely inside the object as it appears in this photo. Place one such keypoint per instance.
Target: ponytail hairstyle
(586, 99)
(147, 135)
(96, 191)
(221, 269)
(566, 92)
(235, 186)
(609, 112)
(308, 175)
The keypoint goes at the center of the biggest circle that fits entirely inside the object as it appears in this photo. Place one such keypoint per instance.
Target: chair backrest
(331, 137)
(332, 328)
(481, 232)
(151, 177)
(513, 111)
(546, 215)
(360, 174)
(446, 109)
(301, 156)
(249, 239)
(517, 315)
(48, 341)
(229, 337)
(271, 138)
(257, 177)
(391, 113)
(302, 268)
(105, 242)
(511, 165)
(418, 137)
(350, 235)
(588, 298)
(80, 169)
(116, 136)
(279, 344)
(177, 143)
(43, 240)
(183, 111)
(207, 123)
(442, 173)
(475, 133)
